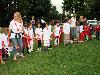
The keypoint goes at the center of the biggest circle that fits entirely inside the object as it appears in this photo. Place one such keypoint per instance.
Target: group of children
(46, 35)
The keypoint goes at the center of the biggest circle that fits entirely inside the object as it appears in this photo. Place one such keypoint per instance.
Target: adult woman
(16, 29)
(33, 24)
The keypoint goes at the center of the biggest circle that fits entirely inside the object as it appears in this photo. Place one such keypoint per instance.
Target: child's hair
(66, 20)
(46, 24)
(29, 24)
(5, 30)
(38, 25)
(26, 24)
(81, 23)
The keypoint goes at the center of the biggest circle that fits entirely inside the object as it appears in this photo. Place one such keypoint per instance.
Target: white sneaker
(29, 51)
(32, 50)
(38, 49)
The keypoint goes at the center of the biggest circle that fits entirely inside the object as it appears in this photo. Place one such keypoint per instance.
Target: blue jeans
(73, 33)
(33, 27)
(17, 42)
(97, 35)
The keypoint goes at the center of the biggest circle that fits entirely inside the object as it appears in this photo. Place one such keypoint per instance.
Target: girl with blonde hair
(16, 29)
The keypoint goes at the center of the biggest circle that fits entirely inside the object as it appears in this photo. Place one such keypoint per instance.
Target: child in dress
(30, 38)
(81, 31)
(46, 37)
(25, 35)
(61, 34)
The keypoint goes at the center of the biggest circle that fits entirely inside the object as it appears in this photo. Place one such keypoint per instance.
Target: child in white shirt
(5, 42)
(38, 33)
(66, 30)
(46, 37)
(30, 38)
(57, 34)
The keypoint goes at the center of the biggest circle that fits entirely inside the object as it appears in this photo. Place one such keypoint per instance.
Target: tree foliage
(88, 8)
(28, 8)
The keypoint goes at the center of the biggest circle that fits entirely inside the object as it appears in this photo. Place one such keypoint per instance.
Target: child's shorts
(46, 42)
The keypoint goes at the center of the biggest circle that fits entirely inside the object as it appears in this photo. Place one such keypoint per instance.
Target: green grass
(75, 59)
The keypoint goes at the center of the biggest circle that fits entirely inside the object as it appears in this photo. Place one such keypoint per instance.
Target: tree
(28, 8)
(54, 14)
(79, 7)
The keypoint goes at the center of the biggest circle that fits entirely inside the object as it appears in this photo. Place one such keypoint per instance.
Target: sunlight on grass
(75, 59)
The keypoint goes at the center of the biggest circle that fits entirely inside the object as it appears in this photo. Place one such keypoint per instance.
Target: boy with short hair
(66, 30)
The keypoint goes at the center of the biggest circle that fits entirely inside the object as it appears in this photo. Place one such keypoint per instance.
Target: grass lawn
(75, 59)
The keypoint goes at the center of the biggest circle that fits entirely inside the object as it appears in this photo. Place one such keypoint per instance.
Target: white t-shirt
(73, 22)
(42, 21)
(49, 27)
(81, 28)
(38, 33)
(5, 39)
(26, 31)
(66, 28)
(0, 41)
(46, 34)
(57, 31)
(16, 27)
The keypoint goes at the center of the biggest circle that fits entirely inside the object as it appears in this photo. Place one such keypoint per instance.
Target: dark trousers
(97, 35)
(39, 43)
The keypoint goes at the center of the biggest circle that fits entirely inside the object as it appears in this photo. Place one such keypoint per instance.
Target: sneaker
(29, 51)
(22, 55)
(32, 50)
(38, 49)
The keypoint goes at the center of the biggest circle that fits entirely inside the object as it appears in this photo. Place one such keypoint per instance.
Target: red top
(97, 28)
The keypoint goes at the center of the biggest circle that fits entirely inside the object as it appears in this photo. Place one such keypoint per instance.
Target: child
(46, 37)
(5, 52)
(30, 38)
(38, 33)
(61, 34)
(81, 31)
(0, 48)
(97, 30)
(87, 34)
(57, 34)
(25, 35)
(77, 33)
(66, 30)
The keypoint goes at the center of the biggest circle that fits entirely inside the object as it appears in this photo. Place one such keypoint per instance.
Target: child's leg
(39, 43)
(31, 45)
(55, 42)
(0, 56)
(68, 38)
(97, 35)
(58, 41)
(46, 44)
(64, 39)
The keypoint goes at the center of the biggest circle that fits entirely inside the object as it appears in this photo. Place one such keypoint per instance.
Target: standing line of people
(23, 35)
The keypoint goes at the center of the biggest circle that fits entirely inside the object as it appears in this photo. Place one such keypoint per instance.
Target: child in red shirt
(97, 30)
